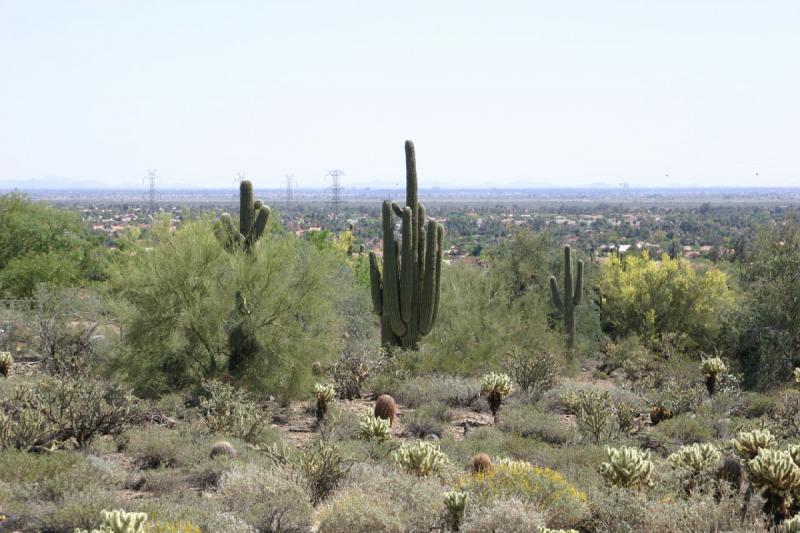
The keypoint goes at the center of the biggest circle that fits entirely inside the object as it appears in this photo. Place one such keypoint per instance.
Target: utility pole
(150, 182)
(336, 193)
(289, 185)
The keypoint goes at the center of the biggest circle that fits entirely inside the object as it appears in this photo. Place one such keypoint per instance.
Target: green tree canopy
(652, 298)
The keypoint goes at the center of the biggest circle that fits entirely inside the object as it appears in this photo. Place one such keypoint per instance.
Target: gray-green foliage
(229, 410)
(175, 302)
(405, 292)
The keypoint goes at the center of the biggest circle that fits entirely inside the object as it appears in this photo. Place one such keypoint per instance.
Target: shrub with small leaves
(543, 489)
(421, 458)
(6, 362)
(324, 395)
(119, 521)
(229, 410)
(747, 444)
(627, 467)
(712, 368)
(496, 387)
(534, 372)
(323, 467)
(778, 476)
(456, 503)
(374, 428)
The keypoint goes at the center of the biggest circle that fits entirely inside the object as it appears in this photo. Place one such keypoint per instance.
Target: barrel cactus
(627, 467)
(571, 298)
(405, 292)
(456, 503)
(253, 218)
(421, 458)
(712, 368)
(119, 521)
(747, 444)
(774, 472)
(324, 395)
(374, 428)
(496, 387)
(6, 362)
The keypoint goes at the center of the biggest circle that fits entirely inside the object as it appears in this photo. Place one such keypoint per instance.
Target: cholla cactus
(775, 472)
(794, 451)
(119, 521)
(627, 467)
(372, 427)
(543, 529)
(712, 367)
(748, 443)
(495, 387)
(456, 503)
(324, 394)
(797, 377)
(6, 362)
(421, 458)
(695, 458)
(790, 526)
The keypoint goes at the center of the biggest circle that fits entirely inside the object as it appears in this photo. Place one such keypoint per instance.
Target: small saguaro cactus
(374, 428)
(324, 395)
(712, 368)
(778, 476)
(747, 444)
(405, 293)
(496, 387)
(573, 289)
(456, 503)
(627, 467)
(386, 408)
(6, 362)
(253, 218)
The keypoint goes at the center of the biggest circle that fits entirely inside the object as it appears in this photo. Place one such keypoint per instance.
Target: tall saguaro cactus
(253, 218)
(406, 292)
(571, 297)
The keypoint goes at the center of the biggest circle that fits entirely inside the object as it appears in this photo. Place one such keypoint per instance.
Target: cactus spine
(405, 294)
(572, 295)
(253, 218)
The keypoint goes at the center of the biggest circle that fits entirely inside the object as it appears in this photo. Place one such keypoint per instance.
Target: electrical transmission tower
(336, 193)
(150, 181)
(289, 186)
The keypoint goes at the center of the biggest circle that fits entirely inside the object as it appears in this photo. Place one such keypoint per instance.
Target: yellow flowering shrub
(543, 488)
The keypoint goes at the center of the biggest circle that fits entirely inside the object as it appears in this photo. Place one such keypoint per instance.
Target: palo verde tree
(405, 294)
(572, 295)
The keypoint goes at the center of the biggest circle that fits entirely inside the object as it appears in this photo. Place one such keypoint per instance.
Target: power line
(289, 192)
(150, 181)
(336, 192)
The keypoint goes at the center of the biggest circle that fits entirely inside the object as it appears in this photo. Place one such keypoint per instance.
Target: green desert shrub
(229, 410)
(531, 423)
(685, 429)
(453, 391)
(273, 498)
(428, 419)
(535, 372)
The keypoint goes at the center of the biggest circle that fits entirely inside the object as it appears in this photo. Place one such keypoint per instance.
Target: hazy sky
(501, 93)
